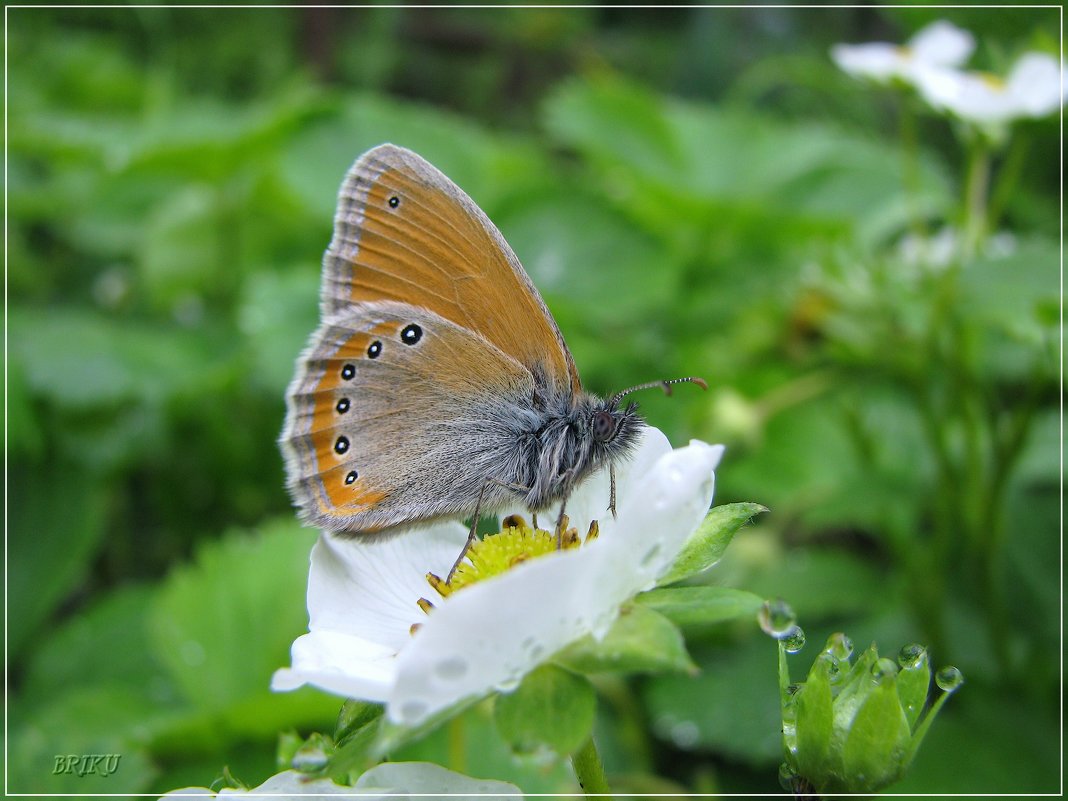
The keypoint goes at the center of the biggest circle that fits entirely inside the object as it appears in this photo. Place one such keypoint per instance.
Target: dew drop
(884, 670)
(413, 709)
(776, 618)
(192, 653)
(508, 684)
(685, 734)
(831, 665)
(450, 668)
(949, 679)
(839, 646)
(308, 759)
(650, 555)
(912, 657)
(787, 777)
(794, 639)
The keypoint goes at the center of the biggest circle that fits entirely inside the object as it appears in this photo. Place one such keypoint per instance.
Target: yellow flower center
(495, 554)
(992, 81)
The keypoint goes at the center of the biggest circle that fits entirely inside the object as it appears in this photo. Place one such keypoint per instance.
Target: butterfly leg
(473, 533)
(612, 491)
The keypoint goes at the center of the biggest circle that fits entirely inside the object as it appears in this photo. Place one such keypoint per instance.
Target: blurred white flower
(362, 595)
(1034, 87)
(940, 44)
(387, 780)
(942, 248)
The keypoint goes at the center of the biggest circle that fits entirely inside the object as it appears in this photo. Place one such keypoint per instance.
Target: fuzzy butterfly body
(437, 384)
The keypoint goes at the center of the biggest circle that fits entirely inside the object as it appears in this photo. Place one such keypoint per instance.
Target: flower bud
(854, 726)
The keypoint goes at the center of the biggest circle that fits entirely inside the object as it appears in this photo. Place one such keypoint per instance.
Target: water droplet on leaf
(884, 670)
(794, 640)
(839, 646)
(777, 618)
(949, 679)
(912, 657)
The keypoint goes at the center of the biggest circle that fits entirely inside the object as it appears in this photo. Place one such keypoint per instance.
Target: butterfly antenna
(664, 385)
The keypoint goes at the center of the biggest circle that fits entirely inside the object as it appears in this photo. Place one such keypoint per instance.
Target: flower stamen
(494, 554)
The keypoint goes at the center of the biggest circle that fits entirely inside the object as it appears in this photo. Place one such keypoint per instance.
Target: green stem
(1008, 178)
(910, 148)
(975, 193)
(590, 771)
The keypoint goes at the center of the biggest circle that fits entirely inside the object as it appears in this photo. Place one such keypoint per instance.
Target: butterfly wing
(399, 415)
(404, 232)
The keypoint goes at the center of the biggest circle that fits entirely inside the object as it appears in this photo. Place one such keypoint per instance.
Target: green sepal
(876, 749)
(706, 545)
(552, 708)
(353, 716)
(693, 606)
(853, 692)
(640, 641)
(913, 685)
(814, 720)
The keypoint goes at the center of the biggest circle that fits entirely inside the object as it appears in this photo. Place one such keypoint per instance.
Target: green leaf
(224, 623)
(105, 645)
(706, 545)
(552, 708)
(471, 743)
(640, 641)
(700, 606)
(878, 741)
(56, 526)
(86, 720)
(731, 707)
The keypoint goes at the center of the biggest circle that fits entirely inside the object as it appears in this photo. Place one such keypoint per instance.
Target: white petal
(341, 664)
(878, 61)
(428, 778)
(968, 95)
(942, 43)
(283, 786)
(1037, 84)
(368, 589)
(492, 633)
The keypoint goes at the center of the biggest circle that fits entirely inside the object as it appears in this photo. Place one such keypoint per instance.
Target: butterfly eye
(604, 426)
(411, 334)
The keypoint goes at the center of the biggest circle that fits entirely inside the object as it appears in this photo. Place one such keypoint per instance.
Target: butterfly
(438, 384)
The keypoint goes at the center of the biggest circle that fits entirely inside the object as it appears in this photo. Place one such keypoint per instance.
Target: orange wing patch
(340, 498)
(405, 233)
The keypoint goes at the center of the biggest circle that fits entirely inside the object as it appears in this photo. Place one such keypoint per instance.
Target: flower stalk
(589, 770)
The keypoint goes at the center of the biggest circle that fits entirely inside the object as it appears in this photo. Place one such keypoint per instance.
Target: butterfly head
(615, 428)
(611, 427)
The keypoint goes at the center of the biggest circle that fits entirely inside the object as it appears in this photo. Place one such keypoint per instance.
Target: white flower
(940, 44)
(1034, 87)
(383, 781)
(362, 594)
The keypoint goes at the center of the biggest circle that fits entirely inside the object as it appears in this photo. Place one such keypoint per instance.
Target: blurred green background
(695, 191)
